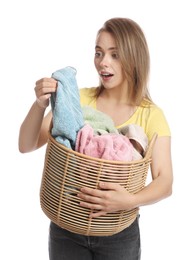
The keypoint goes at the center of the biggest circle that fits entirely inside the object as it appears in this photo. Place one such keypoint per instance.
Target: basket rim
(146, 157)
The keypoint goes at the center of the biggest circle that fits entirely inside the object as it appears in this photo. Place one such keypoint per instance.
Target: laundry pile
(89, 131)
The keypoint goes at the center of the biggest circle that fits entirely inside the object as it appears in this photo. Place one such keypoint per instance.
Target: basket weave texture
(66, 171)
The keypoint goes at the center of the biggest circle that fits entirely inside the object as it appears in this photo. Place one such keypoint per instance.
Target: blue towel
(66, 108)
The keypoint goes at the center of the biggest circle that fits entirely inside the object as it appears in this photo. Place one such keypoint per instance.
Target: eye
(115, 55)
(98, 54)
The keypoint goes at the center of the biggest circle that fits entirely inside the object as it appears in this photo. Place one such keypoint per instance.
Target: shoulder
(150, 109)
(155, 118)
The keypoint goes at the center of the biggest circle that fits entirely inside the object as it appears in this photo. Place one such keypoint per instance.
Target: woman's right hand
(43, 89)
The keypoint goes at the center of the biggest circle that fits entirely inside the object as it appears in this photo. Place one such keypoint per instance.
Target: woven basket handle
(148, 153)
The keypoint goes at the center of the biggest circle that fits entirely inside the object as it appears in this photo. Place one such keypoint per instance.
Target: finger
(50, 80)
(40, 91)
(44, 97)
(109, 186)
(89, 198)
(92, 192)
(45, 85)
(90, 205)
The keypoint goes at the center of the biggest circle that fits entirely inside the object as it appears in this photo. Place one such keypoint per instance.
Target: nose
(105, 61)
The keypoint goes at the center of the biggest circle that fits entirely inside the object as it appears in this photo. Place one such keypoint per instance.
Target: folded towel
(99, 121)
(107, 146)
(66, 108)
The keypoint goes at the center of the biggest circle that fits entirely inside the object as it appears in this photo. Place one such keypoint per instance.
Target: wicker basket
(66, 171)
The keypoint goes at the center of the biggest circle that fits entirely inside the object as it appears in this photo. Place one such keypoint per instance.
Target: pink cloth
(106, 146)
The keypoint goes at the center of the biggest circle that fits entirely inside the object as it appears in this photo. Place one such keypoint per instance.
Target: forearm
(112, 197)
(158, 189)
(30, 128)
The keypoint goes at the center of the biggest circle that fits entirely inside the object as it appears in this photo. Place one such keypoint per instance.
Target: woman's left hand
(110, 197)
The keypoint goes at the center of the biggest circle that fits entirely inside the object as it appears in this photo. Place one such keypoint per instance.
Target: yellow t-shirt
(149, 116)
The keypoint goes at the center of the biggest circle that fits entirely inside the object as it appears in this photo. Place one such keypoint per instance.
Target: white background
(39, 37)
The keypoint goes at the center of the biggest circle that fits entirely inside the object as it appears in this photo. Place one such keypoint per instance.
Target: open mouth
(106, 75)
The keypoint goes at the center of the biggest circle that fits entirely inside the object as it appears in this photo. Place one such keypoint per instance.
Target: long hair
(134, 56)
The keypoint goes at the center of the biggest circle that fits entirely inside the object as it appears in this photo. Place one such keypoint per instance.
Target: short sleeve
(157, 123)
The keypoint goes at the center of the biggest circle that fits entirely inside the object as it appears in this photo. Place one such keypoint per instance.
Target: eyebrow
(111, 48)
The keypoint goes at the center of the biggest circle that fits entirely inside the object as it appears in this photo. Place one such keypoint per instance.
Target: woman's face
(107, 62)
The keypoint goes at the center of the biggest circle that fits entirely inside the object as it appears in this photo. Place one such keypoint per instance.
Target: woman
(122, 62)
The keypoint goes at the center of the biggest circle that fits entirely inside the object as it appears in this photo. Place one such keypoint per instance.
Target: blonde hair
(134, 56)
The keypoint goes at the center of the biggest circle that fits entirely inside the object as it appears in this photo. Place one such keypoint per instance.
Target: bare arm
(162, 175)
(34, 129)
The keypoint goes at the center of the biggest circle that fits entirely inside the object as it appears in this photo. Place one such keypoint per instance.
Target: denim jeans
(125, 245)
